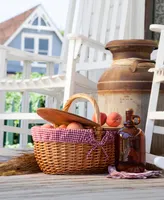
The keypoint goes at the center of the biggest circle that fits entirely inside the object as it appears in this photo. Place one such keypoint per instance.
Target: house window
(37, 43)
(29, 44)
(43, 46)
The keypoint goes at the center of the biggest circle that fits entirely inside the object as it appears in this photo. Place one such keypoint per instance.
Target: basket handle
(84, 96)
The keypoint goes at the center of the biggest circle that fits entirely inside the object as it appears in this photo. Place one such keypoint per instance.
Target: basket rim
(71, 135)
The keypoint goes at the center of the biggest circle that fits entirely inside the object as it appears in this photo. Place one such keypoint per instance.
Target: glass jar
(130, 145)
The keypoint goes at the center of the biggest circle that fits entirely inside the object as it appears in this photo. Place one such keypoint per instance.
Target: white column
(25, 105)
(3, 68)
(68, 29)
(49, 72)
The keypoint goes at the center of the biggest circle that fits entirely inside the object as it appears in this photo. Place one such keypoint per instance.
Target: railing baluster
(3, 65)
(25, 104)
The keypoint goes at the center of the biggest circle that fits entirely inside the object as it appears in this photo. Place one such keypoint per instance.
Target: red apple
(47, 126)
(74, 125)
(62, 126)
(114, 119)
(103, 118)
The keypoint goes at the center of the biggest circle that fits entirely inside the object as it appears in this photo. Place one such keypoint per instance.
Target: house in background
(32, 31)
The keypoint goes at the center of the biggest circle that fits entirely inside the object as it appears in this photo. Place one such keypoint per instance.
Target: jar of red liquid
(130, 156)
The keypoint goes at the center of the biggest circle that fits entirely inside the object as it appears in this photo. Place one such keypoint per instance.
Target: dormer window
(36, 22)
(39, 21)
(43, 23)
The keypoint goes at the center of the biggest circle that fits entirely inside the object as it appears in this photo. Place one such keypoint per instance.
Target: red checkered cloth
(82, 136)
(113, 173)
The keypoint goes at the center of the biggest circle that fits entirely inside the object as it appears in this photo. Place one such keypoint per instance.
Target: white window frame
(36, 38)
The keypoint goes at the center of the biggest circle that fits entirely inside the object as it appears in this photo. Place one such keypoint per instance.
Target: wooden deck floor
(97, 187)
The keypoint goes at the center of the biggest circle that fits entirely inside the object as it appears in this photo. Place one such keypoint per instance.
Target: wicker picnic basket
(82, 151)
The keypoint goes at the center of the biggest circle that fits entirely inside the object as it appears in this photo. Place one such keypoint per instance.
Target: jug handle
(133, 68)
(138, 119)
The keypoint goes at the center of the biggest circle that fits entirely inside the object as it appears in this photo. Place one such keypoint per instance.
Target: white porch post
(25, 105)
(3, 65)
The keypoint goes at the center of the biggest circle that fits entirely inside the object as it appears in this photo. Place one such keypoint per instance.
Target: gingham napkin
(113, 173)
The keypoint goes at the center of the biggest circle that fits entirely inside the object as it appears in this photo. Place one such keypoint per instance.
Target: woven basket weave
(71, 158)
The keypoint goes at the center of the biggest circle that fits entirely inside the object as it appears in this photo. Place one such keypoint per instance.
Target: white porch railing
(44, 85)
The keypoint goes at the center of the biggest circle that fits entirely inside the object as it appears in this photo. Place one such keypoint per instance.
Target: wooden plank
(123, 22)
(37, 121)
(86, 20)
(68, 29)
(98, 9)
(156, 27)
(41, 186)
(84, 82)
(159, 130)
(159, 162)
(150, 158)
(114, 20)
(19, 55)
(159, 115)
(14, 152)
(11, 116)
(89, 42)
(104, 29)
(7, 153)
(13, 129)
(93, 66)
(48, 82)
(79, 17)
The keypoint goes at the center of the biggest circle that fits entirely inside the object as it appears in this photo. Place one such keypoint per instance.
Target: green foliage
(62, 32)
(13, 99)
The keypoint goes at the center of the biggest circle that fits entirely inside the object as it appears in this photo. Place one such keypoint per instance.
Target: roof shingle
(7, 28)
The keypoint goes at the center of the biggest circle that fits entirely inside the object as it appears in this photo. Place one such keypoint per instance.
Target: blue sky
(57, 9)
